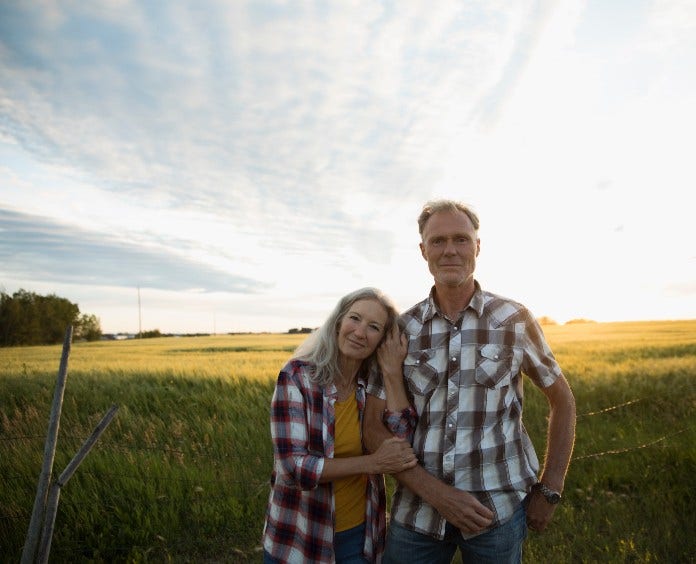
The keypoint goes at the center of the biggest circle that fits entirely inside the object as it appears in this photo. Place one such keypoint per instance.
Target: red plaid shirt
(300, 516)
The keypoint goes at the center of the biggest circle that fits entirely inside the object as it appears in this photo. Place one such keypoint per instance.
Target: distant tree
(295, 330)
(54, 316)
(545, 320)
(149, 334)
(579, 320)
(27, 318)
(88, 328)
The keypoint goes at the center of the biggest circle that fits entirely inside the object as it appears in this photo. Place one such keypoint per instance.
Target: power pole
(140, 317)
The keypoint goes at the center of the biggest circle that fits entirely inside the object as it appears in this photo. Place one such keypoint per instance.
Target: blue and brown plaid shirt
(465, 378)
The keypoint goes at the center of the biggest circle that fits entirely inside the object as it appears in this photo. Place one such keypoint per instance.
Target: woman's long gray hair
(321, 347)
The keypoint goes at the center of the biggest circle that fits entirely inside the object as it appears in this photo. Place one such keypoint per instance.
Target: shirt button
(496, 357)
(454, 359)
(450, 425)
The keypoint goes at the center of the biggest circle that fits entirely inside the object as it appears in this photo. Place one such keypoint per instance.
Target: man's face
(450, 246)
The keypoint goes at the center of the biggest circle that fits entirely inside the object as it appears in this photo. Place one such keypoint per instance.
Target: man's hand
(463, 510)
(539, 512)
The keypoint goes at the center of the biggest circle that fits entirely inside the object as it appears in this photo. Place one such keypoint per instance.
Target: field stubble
(182, 473)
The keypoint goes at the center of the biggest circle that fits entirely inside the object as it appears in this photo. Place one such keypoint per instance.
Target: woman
(327, 501)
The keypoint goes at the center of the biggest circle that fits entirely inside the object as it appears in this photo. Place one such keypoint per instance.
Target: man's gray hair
(435, 206)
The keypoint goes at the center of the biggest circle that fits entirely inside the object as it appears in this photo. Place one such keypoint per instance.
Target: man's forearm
(460, 508)
(561, 437)
(415, 479)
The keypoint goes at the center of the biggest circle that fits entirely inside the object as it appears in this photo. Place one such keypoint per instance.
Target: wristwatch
(551, 496)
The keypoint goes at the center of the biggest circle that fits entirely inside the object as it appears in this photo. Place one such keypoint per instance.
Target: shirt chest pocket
(421, 375)
(496, 365)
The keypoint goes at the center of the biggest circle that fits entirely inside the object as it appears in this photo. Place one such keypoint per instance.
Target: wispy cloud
(285, 148)
(267, 118)
(36, 247)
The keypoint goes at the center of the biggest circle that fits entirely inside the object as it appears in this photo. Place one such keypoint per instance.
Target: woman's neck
(349, 371)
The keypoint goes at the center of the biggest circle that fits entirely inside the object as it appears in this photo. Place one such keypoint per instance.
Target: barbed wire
(205, 490)
(608, 409)
(630, 449)
(203, 454)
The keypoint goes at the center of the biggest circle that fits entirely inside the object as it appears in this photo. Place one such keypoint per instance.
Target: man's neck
(453, 300)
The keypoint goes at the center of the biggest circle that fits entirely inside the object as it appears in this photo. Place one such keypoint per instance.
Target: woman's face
(361, 329)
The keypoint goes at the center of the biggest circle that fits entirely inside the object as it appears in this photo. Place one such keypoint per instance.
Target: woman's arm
(296, 462)
(399, 416)
(290, 433)
(393, 455)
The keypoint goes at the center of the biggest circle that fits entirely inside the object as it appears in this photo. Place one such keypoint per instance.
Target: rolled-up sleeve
(401, 423)
(296, 462)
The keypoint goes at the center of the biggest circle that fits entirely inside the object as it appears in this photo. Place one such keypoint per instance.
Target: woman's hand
(393, 456)
(391, 354)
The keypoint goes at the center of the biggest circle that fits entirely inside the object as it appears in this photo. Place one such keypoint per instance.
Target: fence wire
(204, 487)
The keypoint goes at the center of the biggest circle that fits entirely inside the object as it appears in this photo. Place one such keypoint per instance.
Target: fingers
(539, 514)
(392, 351)
(475, 522)
(397, 456)
(466, 512)
(394, 336)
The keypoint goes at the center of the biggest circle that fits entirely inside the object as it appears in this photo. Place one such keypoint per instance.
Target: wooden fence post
(33, 533)
(54, 492)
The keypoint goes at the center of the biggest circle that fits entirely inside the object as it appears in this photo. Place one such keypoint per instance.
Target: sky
(229, 166)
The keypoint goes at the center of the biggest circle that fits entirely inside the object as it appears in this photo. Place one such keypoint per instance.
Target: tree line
(27, 318)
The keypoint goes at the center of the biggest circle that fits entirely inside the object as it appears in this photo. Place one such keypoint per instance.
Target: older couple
(439, 406)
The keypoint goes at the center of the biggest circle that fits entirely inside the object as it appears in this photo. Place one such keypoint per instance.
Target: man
(476, 485)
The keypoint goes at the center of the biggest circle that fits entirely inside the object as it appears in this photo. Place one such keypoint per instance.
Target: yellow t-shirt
(350, 493)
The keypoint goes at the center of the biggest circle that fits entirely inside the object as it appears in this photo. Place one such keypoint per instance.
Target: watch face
(550, 496)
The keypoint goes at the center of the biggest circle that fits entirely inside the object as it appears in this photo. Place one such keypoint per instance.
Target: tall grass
(182, 473)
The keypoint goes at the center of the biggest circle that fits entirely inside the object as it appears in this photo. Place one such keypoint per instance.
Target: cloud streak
(274, 152)
(33, 247)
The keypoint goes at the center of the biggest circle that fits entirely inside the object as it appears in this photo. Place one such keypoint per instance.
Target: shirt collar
(477, 303)
(361, 384)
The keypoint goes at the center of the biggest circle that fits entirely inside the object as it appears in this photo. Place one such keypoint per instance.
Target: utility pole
(140, 317)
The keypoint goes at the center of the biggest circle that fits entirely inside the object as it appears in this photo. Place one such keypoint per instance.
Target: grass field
(181, 474)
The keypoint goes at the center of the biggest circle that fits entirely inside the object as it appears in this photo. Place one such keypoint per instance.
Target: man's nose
(450, 248)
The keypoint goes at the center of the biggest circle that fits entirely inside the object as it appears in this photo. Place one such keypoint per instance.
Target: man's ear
(422, 249)
(478, 246)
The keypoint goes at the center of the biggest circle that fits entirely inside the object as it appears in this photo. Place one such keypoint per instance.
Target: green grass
(181, 474)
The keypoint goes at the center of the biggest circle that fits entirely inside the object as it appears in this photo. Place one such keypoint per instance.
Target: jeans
(348, 547)
(503, 544)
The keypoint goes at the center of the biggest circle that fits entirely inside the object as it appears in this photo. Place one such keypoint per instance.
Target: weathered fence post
(33, 533)
(54, 493)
